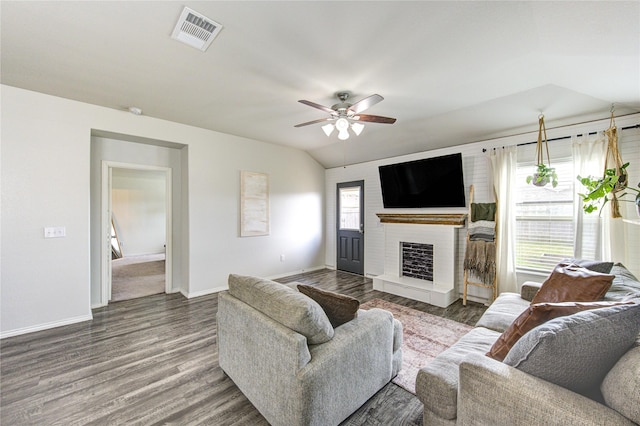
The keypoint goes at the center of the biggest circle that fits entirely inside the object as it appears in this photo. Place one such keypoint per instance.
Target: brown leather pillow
(536, 315)
(571, 283)
(338, 307)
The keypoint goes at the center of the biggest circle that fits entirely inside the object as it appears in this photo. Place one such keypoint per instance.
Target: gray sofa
(279, 348)
(464, 386)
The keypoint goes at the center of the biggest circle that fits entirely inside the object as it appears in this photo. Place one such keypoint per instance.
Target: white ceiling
(450, 72)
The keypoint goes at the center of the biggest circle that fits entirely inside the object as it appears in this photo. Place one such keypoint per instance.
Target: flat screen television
(431, 182)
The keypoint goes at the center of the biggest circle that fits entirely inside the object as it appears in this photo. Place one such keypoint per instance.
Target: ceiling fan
(346, 115)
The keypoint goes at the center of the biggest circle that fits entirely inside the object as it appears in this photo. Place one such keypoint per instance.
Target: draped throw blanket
(484, 230)
(480, 259)
(480, 256)
(483, 211)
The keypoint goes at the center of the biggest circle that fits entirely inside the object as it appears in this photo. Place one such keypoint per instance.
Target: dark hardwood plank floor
(154, 360)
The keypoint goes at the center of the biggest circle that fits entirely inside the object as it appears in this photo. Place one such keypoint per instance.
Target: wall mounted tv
(431, 182)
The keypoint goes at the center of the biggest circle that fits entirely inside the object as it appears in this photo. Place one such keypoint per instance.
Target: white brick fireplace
(438, 230)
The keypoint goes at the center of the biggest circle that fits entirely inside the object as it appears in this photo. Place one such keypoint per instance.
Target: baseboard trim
(300, 271)
(201, 293)
(46, 326)
(213, 290)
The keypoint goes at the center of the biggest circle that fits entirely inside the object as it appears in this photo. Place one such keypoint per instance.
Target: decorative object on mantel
(613, 181)
(480, 254)
(544, 173)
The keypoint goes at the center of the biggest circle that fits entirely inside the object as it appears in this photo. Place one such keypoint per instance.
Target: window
(350, 208)
(544, 218)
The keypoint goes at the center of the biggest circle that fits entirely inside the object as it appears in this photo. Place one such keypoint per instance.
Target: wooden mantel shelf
(423, 219)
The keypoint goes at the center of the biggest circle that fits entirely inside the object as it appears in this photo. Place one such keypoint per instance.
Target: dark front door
(350, 227)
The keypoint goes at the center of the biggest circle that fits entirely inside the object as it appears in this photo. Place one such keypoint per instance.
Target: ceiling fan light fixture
(346, 115)
(357, 128)
(342, 124)
(328, 129)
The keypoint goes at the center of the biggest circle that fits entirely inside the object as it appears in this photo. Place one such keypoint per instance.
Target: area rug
(425, 336)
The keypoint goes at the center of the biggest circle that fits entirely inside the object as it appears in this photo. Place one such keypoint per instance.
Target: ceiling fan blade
(320, 120)
(375, 119)
(315, 105)
(365, 103)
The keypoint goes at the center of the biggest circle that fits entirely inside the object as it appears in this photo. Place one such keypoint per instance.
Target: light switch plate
(55, 232)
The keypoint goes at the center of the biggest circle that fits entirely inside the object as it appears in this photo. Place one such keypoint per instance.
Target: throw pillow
(284, 305)
(577, 351)
(625, 284)
(592, 265)
(536, 315)
(338, 307)
(572, 283)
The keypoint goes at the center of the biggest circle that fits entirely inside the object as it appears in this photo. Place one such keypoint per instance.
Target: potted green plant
(598, 189)
(543, 175)
(544, 172)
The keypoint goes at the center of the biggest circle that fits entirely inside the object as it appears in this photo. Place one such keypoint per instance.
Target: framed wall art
(254, 204)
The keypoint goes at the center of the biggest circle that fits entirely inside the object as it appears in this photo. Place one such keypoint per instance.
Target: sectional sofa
(582, 368)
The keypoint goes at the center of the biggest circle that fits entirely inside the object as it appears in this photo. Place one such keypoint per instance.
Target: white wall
(45, 170)
(477, 172)
(138, 206)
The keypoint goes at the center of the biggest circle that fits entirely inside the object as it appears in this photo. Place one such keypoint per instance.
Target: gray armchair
(290, 381)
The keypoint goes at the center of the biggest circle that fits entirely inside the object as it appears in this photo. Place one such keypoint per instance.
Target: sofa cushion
(284, 305)
(625, 284)
(536, 315)
(437, 382)
(621, 387)
(573, 283)
(338, 307)
(503, 312)
(578, 350)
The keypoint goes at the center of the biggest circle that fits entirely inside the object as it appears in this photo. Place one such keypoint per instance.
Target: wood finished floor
(154, 360)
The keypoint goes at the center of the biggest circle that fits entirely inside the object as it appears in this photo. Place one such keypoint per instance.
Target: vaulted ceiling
(450, 72)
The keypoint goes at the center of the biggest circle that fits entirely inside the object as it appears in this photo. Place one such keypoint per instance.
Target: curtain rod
(563, 137)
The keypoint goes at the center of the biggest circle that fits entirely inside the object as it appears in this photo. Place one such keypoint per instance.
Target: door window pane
(350, 208)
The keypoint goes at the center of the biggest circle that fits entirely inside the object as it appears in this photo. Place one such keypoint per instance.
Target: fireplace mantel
(438, 230)
(449, 219)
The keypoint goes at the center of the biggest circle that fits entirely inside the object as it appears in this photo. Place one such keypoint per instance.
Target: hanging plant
(613, 181)
(543, 176)
(601, 190)
(544, 173)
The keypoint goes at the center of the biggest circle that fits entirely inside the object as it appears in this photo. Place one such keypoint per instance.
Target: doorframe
(105, 225)
(361, 184)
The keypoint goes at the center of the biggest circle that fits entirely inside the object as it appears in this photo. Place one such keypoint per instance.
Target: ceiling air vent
(195, 29)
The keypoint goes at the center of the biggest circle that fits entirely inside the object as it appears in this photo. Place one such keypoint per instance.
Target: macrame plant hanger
(539, 154)
(544, 173)
(613, 159)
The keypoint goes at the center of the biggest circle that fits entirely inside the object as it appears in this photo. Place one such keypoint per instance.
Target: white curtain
(593, 231)
(503, 164)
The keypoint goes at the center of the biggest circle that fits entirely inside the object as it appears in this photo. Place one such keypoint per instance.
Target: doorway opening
(136, 260)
